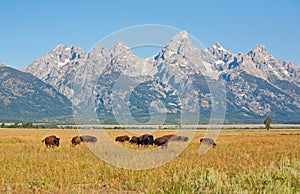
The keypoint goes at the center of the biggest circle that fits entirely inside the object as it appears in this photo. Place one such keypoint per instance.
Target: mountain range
(114, 83)
(24, 97)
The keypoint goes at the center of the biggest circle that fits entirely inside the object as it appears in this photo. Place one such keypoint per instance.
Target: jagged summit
(62, 47)
(180, 42)
(98, 52)
(260, 50)
(121, 45)
(218, 46)
(120, 49)
(181, 35)
(219, 52)
(61, 55)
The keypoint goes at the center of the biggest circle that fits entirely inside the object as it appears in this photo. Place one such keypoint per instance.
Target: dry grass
(244, 161)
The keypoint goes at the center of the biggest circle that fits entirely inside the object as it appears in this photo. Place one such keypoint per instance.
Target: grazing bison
(122, 138)
(145, 139)
(133, 140)
(76, 140)
(208, 141)
(51, 141)
(162, 141)
(88, 139)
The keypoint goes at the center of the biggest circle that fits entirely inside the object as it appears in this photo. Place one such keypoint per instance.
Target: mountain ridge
(25, 97)
(175, 66)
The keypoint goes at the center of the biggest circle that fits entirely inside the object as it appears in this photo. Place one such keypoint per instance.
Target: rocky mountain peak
(98, 52)
(183, 35)
(180, 43)
(120, 48)
(62, 55)
(66, 49)
(2, 64)
(260, 48)
(260, 51)
(218, 47)
(62, 48)
(221, 56)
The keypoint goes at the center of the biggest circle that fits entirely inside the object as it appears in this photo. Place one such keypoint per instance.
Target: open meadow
(244, 161)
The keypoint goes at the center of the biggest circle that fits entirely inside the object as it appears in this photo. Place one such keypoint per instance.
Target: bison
(51, 141)
(208, 141)
(122, 138)
(162, 141)
(88, 139)
(145, 139)
(76, 140)
(133, 140)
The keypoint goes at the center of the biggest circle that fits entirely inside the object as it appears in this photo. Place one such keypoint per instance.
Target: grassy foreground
(244, 161)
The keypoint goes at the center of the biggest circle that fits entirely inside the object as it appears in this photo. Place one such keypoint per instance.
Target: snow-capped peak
(181, 35)
(179, 40)
(59, 49)
(260, 49)
(120, 48)
(219, 47)
(120, 45)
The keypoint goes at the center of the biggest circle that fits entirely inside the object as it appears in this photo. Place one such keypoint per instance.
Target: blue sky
(30, 29)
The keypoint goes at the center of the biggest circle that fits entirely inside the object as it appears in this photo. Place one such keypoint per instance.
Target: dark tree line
(26, 125)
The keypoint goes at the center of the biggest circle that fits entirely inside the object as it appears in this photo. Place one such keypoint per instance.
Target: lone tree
(267, 123)
(179, 125)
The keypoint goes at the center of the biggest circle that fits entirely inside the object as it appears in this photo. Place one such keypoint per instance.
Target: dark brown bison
(208, 141)
(88, 139)
(122, 138)
(133, 140)
(162, 141)
(76, 140)
(145, 139)
(51, 141)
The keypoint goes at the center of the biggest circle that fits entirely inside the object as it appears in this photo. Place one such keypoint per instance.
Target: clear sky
(30, 29)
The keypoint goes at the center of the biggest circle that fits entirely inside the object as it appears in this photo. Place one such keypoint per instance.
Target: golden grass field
(244, 161)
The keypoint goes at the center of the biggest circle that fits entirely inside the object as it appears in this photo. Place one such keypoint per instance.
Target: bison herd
(143, 140)
(162, 141)
(52, 140)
